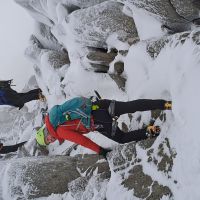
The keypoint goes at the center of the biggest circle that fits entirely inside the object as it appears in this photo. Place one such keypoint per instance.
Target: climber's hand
(153, 131)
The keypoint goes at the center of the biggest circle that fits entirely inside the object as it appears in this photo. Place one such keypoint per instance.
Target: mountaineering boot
(153, 131)
(42, 97)
(168, 105)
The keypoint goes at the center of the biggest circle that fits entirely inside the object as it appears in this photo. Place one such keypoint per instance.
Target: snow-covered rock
(34, 177)
(188, 9)
(156, 45)
(92, 26)
(176, 15)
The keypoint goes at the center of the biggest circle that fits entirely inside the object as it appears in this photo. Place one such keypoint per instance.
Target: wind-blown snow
(147, 25)
(173, 75)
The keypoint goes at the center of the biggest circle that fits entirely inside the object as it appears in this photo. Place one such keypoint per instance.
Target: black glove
(153, 131)
(103, 152)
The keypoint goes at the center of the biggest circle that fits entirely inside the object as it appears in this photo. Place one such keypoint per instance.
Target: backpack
(76, 108)
(5, 84)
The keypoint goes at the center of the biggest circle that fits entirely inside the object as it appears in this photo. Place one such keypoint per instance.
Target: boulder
(37, 53)
(46, 38)
(42, 176)
(117, 75)
(34, 177)
(94, 188)
(56, 59)
(125, 157)
(144, 186)
(155, 46)
(119, 67)
(47, 12)
(85, 3)
(92, 26)
(34, 50)
(99, 68)
(38, 9)
(101, 57)
(119, 80)
(175, 14)
(186, 8)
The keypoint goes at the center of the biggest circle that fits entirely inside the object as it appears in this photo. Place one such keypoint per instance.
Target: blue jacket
(76, 108)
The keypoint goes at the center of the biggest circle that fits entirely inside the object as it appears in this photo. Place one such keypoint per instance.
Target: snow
(116, 191)
(147, 25)
(173, 75)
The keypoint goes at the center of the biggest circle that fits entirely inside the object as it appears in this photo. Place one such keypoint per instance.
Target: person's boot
(168, 105)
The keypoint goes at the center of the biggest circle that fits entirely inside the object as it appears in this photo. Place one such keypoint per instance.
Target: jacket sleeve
(78, 139)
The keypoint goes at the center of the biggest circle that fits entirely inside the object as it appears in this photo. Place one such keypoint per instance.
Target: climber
(80, 115)
(12, 148)
(8, 96)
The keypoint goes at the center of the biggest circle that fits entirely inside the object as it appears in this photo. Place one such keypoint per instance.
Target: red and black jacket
(73, 131)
